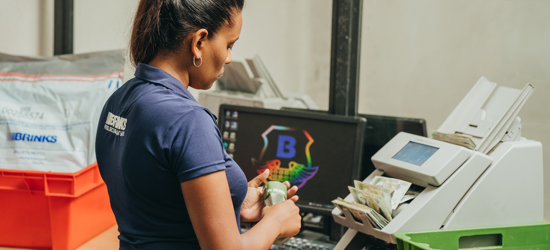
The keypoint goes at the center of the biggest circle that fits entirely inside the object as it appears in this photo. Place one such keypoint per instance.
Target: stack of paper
(460, 140)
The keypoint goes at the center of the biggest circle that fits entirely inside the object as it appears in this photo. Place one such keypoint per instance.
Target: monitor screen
(319, 153)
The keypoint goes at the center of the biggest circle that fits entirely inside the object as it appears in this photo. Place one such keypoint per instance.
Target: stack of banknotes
(460, 140)
(377, 200)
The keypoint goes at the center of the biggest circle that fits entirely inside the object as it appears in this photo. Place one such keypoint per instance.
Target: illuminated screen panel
(316, 155)
(415, 153)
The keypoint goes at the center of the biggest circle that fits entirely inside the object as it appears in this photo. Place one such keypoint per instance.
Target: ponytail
(164, 24)
(144, 44)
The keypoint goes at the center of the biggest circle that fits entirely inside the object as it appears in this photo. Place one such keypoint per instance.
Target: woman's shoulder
(162, 101)
(198, 114)
(197, 120)
(155, 104)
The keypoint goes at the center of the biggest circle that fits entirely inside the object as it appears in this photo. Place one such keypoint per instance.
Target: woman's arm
(253, 204)
(208, 201)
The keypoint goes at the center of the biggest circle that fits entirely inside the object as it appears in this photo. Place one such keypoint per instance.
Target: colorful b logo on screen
(287, 150)
(286, 147)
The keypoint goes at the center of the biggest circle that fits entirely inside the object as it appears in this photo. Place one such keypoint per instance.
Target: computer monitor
(380, 130)
(319, 153)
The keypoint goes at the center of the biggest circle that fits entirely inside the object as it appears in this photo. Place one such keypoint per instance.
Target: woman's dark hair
(163, 24)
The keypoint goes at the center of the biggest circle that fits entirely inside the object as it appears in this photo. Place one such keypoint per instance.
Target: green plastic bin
(531, 236)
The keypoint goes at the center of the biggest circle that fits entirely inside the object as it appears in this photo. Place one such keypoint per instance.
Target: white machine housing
(420, 160)
(268, 94)
(467, 188)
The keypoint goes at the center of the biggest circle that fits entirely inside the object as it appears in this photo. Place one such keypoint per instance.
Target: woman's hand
(286, 217)
(251, 209)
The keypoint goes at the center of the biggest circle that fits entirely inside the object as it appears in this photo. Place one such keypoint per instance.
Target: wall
(104, 25)
(420, 58)
(26, 27)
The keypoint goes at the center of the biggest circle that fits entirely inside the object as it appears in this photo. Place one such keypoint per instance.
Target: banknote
(412, 193)
(384, 192)
(397, 188)
(354, 210)
(375, 219)
(377, 198)
(461, 140)
(367, 187)
(407, 197)
(361, 198)
(378, 219)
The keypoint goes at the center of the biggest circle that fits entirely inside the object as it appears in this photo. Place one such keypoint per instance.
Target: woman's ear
(198, 42)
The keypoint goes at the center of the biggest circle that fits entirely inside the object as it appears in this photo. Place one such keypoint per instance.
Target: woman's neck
(172, 66)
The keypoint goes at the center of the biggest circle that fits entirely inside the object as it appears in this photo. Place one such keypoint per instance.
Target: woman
(170, 181)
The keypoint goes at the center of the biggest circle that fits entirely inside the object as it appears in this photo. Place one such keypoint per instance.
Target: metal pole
(345, 56)
(63, 27)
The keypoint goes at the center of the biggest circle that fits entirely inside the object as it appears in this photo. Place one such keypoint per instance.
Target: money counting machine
(461, 187)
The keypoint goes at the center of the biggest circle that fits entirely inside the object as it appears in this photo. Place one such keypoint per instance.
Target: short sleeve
(194, 146)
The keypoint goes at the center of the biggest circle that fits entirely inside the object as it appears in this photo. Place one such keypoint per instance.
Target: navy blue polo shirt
(152, 136)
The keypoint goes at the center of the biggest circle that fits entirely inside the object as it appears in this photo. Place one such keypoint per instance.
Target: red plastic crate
(53, 210)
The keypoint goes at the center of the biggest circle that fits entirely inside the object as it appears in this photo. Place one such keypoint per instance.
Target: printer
(250, 84)
(498, 180)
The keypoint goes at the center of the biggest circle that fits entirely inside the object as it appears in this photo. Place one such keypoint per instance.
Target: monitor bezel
(358, 154)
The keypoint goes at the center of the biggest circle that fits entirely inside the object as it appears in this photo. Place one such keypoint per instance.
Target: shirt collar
(152, 74)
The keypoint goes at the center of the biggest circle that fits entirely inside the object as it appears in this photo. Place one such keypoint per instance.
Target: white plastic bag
(49, 108)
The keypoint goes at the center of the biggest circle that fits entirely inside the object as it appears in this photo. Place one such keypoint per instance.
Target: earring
(195, 63)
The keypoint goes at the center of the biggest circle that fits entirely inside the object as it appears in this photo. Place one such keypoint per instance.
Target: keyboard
(306, 244)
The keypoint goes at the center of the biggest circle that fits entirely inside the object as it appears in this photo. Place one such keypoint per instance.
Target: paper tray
(366, 228)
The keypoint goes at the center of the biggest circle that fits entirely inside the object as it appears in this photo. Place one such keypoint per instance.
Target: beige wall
(26, 27)
(104, 25)
(418, 59)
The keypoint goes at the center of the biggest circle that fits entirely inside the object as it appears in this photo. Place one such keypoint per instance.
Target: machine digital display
(319, 153)
(415, 153)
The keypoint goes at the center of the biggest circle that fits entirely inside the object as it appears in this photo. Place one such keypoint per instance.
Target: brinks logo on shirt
(33, 138)
(115, 124)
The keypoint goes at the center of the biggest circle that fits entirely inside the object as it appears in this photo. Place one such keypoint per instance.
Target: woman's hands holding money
(286, 215)
(251, 209)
